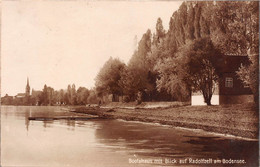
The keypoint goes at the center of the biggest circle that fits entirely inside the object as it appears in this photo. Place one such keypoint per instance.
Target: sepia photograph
(119, 83)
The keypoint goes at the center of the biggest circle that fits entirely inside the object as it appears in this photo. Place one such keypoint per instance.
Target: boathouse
(229, 89)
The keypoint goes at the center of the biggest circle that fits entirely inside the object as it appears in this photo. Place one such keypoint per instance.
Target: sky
(67, 41)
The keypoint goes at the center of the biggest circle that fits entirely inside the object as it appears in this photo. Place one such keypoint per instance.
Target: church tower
(27, 88)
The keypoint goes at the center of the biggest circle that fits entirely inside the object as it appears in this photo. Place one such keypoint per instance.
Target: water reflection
(26, 120)
(24, 112)
(83, 143)
(157, 141)
(229, 148)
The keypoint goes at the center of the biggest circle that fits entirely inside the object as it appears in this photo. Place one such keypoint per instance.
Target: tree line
(49, 96)
(169, 65)
(70, 96)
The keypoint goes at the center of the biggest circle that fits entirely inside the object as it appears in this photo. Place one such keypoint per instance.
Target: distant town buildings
(7, 99)
(27, 91)
(19, 99)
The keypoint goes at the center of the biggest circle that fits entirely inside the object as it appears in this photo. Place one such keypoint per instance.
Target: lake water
(104, 143)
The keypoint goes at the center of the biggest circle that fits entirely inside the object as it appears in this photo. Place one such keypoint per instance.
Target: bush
(126, 99)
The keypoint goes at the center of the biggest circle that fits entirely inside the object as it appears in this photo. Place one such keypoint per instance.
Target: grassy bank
(144, 105)
(240, 120)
